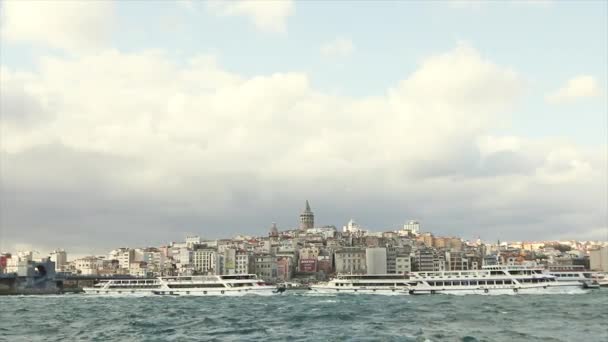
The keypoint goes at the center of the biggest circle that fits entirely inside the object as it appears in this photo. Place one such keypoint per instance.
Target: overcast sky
(137, 123)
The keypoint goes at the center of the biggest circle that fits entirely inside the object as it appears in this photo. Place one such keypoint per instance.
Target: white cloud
(153, 142)
(268, 16)
(339, 47)
(71, 25)
(579, 87)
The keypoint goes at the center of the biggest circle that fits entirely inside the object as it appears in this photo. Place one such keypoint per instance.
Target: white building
(375, 260)
(16, 265)
(207, 261)
(60, 258)
(353, 228)
(244, 263)
(412, 227)
(154, 259)
(193, 240)
(598, 259)
(88, 265)
(125, 257)
(184, 261)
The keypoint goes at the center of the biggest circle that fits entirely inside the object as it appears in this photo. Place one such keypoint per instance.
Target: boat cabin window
(179, 286)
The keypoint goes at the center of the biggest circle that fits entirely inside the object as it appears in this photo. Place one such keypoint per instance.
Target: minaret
(307, 218)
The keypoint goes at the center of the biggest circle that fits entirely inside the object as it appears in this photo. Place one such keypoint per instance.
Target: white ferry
(587, 279)
(601, 279)
(124, 286)
(214, 285)
(491, 280)
(374, 284)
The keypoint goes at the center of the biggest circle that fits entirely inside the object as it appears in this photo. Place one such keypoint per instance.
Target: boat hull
(490, 291)
(375, 291)
(117, 292)
(226, 292)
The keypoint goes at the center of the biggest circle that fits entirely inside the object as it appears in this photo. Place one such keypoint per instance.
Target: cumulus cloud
(579, 87)
(70, 25)
(267, 16)
(152, 149)
(339, 47)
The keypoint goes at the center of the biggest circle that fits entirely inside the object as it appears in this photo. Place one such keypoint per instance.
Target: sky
(137, 123)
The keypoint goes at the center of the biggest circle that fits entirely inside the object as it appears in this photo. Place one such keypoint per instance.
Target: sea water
(306, 317)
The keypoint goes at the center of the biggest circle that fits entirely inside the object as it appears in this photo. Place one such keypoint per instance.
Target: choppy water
(297, 317)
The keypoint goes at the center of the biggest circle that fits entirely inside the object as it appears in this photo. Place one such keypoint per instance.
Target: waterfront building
(183, 260)
(429, 260)
(207, 261)
(125, 257)
(375, 260)
(284, 268)
(244, 262)
(325, 264)
(155, 261)
(456, 261)
(351, 260)
(396, 255)
(307, 218)
(60, 258)
(265, 266)
(598, 259)
(89, 265)
(19, 263)
(403, 264)
(138, 269)
(424, 260)
(229, 261)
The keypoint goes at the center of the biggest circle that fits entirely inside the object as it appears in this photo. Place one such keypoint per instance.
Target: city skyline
(306, 226)
(140, 122)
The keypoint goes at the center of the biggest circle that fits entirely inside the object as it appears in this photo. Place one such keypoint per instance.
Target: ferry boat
(124, 286)
(491, 280)
(601, 279)
(587, 279)
(215, 285)
(370, 283)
